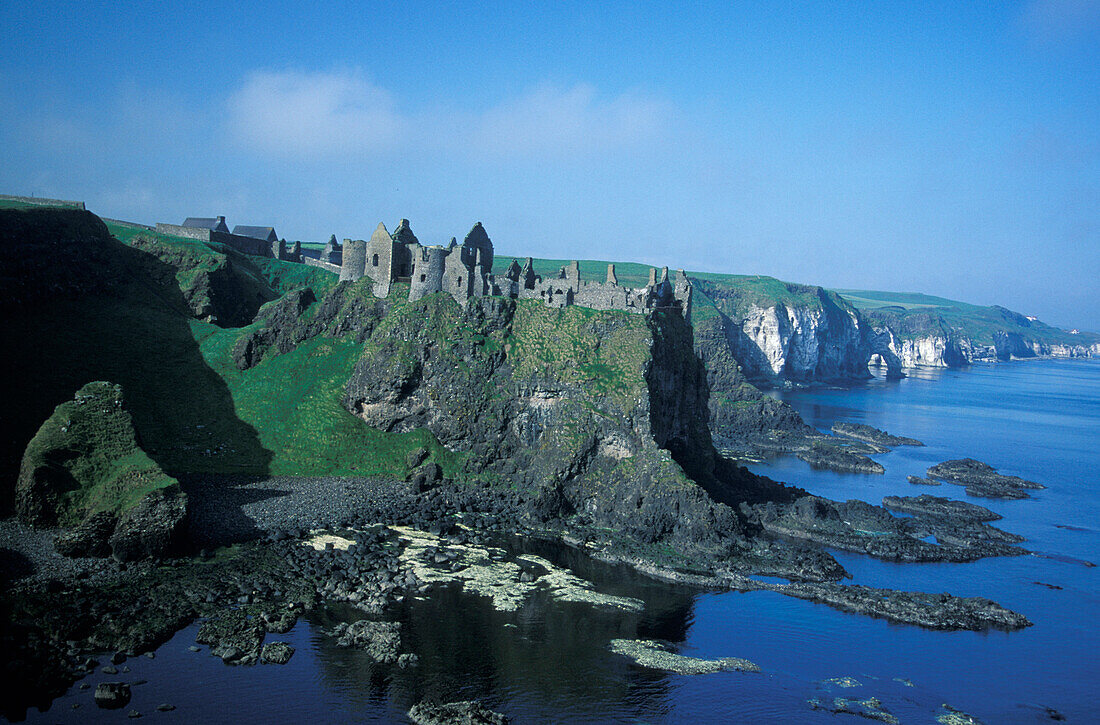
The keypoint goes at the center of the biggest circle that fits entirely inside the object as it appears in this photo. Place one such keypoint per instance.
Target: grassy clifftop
(128, 305)
(914, 315)
(735, 293)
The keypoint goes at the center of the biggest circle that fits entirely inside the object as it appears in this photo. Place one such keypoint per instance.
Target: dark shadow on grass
(78, 305)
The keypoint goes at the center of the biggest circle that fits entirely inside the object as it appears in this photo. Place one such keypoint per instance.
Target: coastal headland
(203, 433)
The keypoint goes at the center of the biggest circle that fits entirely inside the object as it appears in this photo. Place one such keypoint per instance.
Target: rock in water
(277, 653)
(466, 712)
(112, 695)
(233, 636)
(867, 433)
(380, 640)
(982, 479)
(655, 655)
(836, 458)
(936, 506)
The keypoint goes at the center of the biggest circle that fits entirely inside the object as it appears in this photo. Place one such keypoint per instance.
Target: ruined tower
(378, 260)
(355, 255)
(478, 241)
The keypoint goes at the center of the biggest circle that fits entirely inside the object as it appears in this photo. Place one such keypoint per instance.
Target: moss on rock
(85, 459)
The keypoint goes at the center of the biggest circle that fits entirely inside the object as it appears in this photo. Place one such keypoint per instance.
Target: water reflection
(548, 656)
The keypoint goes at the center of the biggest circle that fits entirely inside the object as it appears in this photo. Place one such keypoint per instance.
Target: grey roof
(215, 224)
(267, 233)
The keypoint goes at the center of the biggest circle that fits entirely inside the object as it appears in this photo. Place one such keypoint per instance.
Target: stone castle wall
(462, 271)
(322, 264)
(43, 201)
(245, 245)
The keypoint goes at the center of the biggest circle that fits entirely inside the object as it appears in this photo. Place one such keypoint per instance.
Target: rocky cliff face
(597, 414)
(927, 340)
(806, 335)
(586, 409)
(741, 415)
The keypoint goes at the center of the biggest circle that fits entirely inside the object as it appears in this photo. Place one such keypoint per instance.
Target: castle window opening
(375, 260)
(423, 277)
(460, 282)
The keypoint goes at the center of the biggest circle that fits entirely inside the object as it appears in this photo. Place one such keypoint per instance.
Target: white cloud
(553, 121)
(303, 115)
(291, 113)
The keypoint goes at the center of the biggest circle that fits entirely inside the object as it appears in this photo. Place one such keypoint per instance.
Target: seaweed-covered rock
(659, 656)
(277, 653)
(466, 712)
(233, 636)
(112, 695)
(380, 640)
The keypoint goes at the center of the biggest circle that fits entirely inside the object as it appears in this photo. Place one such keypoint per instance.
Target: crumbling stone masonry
(465, 271)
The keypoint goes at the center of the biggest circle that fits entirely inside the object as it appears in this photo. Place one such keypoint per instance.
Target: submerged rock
(871, 708)
(954, 716)
(112, 695)
(843, 682)
(466, 712)
(658, 656)
(921, 481)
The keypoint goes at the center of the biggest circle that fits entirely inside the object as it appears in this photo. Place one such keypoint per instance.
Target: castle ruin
(259, 241)
(466, 270)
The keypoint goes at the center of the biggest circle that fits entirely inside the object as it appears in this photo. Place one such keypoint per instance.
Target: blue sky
(947, 148)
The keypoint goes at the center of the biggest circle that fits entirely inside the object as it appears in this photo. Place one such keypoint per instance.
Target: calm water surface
(548, 662)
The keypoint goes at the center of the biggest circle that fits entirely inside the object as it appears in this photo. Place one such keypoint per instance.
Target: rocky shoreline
(62, 616)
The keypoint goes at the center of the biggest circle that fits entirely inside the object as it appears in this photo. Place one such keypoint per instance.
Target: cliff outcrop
(85, 469)
(785, 333)
(956, 336)
(595, 413)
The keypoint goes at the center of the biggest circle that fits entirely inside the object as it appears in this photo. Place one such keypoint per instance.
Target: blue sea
(549, 661)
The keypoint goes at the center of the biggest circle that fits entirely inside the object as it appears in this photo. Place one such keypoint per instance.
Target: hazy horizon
(947, 149)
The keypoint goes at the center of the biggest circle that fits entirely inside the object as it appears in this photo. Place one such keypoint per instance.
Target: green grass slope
(913, 315)
(80, 305)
